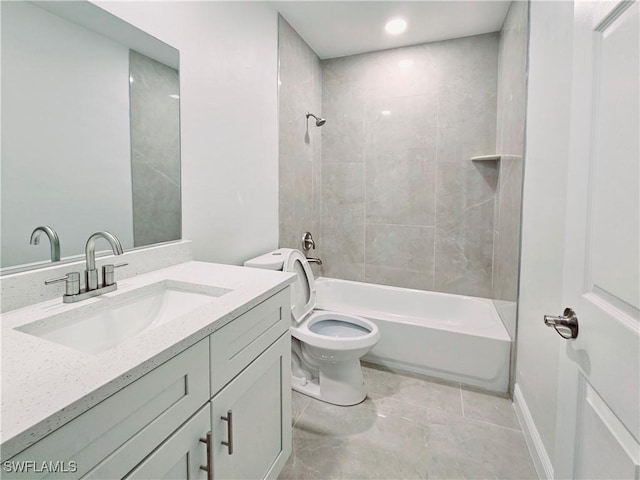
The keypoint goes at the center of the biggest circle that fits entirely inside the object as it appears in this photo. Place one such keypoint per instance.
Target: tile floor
(408, 428)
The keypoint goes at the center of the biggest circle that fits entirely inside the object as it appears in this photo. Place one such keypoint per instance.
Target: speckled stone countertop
(45, 384)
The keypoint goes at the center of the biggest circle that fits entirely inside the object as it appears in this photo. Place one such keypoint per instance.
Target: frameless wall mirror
(90, 131)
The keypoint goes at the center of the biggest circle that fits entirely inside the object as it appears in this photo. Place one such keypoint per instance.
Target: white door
(598, 416)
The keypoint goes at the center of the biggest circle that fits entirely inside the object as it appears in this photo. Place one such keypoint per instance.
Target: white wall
(65, 112)
(229, 120)
(545, 178)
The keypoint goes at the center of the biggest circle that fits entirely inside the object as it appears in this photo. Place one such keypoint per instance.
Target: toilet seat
(312, 336)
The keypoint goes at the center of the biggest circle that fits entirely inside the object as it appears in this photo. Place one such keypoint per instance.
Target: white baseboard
(541, 459)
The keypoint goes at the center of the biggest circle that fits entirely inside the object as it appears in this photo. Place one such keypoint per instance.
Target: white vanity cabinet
(251, 418)
(111, 438)
(252, 409)
(152, 428)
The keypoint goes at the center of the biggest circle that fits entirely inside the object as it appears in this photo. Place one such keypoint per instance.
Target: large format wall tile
(464, 227)
(343, 103)
(300, 91)
(507, 232)
(401, 188)
(405, 123)
(343, 250)
(401, 253)
(342, 193)
(403, 72)
(397, 123)
(467, 97)
(512, 84)
(342, 220)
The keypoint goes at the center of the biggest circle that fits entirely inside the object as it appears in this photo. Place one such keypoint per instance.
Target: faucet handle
(307, 242)
(108, 278)
(72, 282)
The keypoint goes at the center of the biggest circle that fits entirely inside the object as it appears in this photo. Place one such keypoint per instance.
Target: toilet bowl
(325, 346)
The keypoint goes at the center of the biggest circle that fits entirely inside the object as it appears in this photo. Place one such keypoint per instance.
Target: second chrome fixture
(319, 120)
(53, 240)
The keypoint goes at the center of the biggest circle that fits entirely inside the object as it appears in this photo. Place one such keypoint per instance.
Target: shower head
(319, 120)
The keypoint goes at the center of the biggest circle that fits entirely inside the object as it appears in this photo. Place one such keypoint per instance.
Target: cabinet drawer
(238, 343)
(181, 455)
(153, 407)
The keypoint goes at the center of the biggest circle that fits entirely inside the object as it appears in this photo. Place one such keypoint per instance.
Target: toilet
(325, 346)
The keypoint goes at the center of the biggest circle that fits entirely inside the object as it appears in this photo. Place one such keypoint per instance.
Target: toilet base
(339, 384)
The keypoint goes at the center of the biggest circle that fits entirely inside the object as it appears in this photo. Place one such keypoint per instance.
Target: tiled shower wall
(300, 90)
(512, 83)
(386, 185)
(401, 201)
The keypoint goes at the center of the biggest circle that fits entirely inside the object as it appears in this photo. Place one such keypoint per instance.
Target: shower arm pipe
(54, 240)
(319, 120)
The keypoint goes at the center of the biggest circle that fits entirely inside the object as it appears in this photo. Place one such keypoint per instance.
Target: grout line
(343, 163)
(364, 180)
(435, 196)
(301, 412)
(484, 422)
(399, 225)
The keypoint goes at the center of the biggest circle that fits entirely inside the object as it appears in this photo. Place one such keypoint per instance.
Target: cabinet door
(259, 400)
(181, 455)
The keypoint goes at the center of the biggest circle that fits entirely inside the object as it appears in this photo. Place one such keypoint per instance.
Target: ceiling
(339, 28)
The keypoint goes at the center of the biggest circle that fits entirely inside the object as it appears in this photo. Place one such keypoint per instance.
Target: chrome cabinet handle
(229, 442)
(566, 325)
(208, 468)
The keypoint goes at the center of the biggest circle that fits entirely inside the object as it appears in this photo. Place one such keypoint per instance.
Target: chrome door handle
(566, 325)
(208, 468)
(229, 442)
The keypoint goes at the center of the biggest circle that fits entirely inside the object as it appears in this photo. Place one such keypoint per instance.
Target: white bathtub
(453, 337)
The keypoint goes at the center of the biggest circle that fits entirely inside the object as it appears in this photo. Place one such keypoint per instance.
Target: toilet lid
(303, 292)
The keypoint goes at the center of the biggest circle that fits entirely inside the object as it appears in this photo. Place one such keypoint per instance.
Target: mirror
(90, 131)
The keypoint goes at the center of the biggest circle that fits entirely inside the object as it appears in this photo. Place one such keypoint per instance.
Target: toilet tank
(269, 261)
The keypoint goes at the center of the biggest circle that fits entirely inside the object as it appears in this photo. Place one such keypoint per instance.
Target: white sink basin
(110, 321)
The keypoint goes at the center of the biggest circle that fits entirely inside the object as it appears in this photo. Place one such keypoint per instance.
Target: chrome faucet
(54, 241)
(91, 274)
(73, 292)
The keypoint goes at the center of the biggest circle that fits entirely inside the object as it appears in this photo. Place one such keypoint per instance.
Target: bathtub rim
(496, 331)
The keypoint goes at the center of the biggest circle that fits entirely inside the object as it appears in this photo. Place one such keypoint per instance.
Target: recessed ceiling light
(396, 26)
(386, 112)
(177, 97)
(405, 63)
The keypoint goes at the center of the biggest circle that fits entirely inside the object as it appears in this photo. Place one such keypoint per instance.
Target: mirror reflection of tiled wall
(155, 150)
